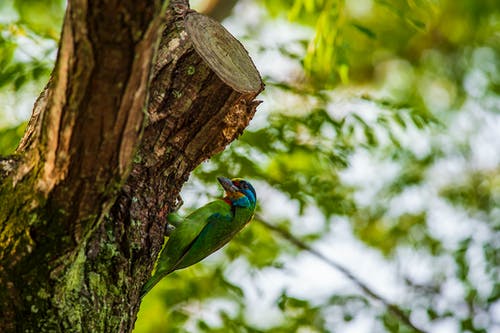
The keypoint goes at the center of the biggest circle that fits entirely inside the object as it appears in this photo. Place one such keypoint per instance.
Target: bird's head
(239, 192)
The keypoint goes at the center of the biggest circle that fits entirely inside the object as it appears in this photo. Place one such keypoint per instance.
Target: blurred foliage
(479, 192)
(351, 36)
(386, 123)
(29, 31)
(9, 138)
(42, 17)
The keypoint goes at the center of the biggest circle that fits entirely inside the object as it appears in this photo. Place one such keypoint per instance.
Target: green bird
(206, 230)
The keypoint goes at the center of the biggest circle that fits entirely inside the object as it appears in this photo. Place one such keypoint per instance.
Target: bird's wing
(203, 213)
(187, 232)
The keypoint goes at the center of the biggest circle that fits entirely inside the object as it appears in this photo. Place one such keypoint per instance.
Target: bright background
(377, 145)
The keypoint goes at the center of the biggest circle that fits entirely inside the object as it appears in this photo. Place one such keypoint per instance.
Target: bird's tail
(150, 284)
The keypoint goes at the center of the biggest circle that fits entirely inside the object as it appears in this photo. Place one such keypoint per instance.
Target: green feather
(200, 234)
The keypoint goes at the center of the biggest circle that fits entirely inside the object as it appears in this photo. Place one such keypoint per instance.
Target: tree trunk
(112, 138)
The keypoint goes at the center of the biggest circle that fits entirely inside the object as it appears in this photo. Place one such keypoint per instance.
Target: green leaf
(9, 139)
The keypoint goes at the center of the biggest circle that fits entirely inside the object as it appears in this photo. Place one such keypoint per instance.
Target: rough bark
(84, 199)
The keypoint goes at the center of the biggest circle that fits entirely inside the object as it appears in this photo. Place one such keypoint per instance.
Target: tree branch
(395, 309)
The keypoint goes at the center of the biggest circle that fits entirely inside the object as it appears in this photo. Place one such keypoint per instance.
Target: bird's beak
(227, 184)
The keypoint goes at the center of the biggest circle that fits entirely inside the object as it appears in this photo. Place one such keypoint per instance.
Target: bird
(205, 230)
